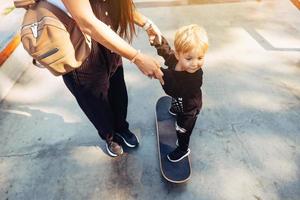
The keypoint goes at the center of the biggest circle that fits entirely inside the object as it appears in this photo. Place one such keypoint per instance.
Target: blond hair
(191, 37)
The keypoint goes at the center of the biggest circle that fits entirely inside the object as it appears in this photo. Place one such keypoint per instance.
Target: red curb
(10, 47)
(296, 3)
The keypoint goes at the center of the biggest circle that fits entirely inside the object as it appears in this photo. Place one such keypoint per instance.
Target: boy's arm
(165, 51)
(169, 80)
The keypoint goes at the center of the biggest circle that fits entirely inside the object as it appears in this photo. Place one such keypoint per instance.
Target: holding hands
(147, 64)
(153, 32)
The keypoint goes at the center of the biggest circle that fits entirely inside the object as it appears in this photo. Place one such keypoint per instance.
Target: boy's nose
(195, 63)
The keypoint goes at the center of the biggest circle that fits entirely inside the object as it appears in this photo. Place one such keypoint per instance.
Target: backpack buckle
(34, 29)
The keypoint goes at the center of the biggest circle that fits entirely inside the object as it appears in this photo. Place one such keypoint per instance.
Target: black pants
(102, 95)
(184, 129)
(187, 112)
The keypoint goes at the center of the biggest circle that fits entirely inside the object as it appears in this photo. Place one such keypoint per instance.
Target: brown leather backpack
(52, 38)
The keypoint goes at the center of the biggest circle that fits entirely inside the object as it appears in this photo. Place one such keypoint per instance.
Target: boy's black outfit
(185, 90)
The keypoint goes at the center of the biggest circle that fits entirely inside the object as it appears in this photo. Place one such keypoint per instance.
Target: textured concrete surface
(245, 145)
(12, 69)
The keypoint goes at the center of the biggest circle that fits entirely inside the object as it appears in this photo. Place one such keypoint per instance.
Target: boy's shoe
(178, 154)
(128, 138)
(114, 149)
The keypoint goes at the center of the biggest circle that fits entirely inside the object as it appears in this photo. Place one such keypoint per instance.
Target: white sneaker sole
(127, 144)
(185, 155)
(174, 114)
(111, 153)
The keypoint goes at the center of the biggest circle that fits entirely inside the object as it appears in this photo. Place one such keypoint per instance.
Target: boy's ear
(176, 55)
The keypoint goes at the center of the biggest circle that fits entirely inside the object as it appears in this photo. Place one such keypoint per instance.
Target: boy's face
(191, 61)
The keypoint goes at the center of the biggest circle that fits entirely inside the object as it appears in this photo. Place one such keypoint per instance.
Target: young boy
(183, 81)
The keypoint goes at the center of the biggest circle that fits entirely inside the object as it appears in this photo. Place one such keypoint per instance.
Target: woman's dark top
(95, 72)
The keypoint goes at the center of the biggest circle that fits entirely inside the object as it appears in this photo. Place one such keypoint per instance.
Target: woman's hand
(149, 67)
(154, 33)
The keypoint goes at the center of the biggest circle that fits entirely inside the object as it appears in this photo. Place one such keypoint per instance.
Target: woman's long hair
(122, 16)
(126, 23)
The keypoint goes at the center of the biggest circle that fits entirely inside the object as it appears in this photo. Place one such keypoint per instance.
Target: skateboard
(175, 172)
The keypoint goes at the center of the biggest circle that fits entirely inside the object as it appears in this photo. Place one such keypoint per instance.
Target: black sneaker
(128, 138)
(178, 154)
(114, 149)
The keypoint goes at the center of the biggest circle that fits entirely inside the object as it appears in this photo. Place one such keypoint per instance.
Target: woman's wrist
(133, 59)
(148, 24)
(138, 59)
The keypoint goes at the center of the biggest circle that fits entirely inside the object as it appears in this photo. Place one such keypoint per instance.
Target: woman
(98, 85)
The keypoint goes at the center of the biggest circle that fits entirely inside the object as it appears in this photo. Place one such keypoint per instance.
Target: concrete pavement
(245, 145)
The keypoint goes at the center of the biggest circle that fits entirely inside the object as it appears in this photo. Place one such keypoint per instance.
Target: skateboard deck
(175, 172)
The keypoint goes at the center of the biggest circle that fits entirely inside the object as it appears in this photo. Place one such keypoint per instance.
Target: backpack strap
(60, 14)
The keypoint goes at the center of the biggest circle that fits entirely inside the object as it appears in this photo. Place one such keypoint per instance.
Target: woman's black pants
(103, 98)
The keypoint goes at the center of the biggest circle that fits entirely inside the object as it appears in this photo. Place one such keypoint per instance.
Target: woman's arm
(152, 30)
(139, 19)
(82, 13)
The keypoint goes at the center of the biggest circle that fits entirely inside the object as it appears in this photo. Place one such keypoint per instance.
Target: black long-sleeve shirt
(180, 84)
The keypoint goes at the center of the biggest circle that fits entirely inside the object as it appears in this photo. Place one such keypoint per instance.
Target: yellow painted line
(10, 47)
(8, 10)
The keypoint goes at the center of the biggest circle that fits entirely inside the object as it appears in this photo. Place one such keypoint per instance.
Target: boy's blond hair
(191, 37)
